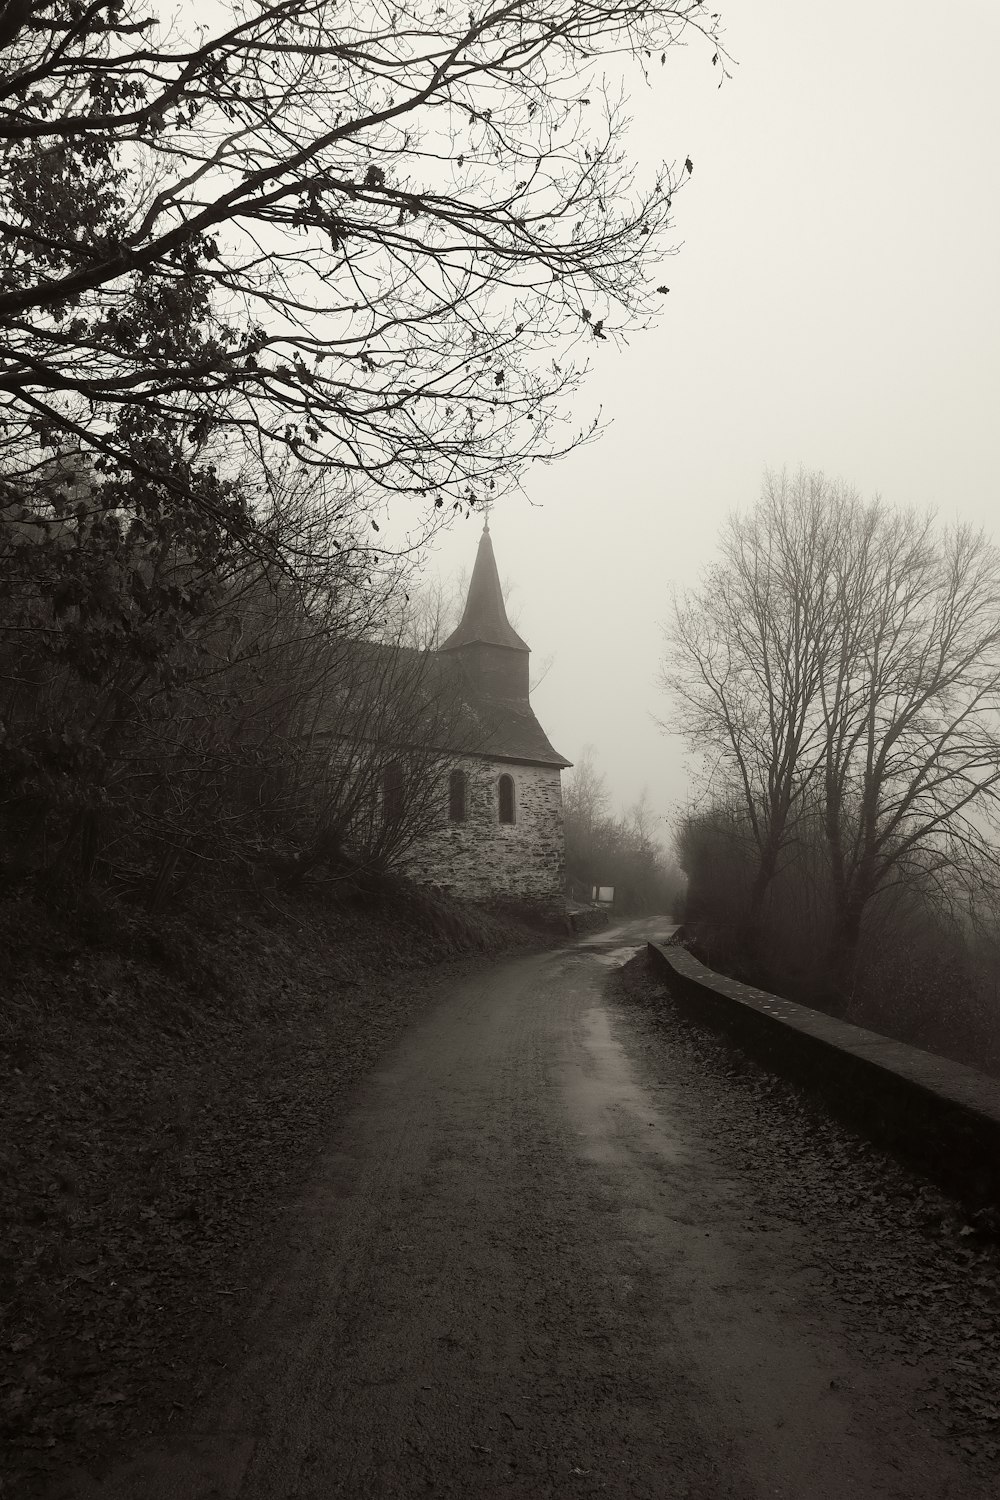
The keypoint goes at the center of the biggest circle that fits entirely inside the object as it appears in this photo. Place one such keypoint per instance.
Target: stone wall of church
(482, 858)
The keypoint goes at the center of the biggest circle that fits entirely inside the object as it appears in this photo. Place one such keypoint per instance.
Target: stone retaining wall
(938, 1115)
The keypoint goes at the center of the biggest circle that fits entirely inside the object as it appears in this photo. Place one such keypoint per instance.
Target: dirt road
(529, 1270)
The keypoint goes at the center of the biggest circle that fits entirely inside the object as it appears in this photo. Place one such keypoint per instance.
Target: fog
(833, 304)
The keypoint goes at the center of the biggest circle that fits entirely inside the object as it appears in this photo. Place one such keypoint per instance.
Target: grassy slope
(163, 1089)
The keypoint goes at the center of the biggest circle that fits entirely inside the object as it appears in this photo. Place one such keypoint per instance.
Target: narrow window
(506, 799)
(457, 794)
(392, 792)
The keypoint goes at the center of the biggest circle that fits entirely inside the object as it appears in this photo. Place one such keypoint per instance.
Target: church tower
(490, 649)
(500, 830)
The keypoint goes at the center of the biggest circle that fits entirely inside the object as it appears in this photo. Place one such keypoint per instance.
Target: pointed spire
(485, 618)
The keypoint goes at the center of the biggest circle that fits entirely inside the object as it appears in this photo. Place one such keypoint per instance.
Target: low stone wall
(938, 1115)
(588, 918)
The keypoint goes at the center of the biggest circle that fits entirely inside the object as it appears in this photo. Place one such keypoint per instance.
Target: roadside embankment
(938, 1115)
(165, 1090)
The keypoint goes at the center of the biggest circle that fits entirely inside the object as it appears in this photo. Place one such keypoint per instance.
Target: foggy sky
(834, 304)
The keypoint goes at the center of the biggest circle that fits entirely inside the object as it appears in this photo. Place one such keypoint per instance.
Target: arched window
(506, 788)
(392, 792)
(457, 796)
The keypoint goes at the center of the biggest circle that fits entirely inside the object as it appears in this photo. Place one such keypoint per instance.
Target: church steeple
(489, 645)
(485, 617)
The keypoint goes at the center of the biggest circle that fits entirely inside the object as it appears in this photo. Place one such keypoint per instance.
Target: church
(498, 832)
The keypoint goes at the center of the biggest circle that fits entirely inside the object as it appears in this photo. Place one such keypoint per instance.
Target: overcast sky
(833, 304)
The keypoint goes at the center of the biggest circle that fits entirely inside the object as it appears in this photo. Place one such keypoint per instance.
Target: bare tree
(369, 779)
(370, 235)
(911, 697)
(585, 790)
(260, 266)
(585, 803)
(846, 657)
(746, 651)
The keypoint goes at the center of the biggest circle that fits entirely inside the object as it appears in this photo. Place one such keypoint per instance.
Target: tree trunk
(842, 957)
(750, 930)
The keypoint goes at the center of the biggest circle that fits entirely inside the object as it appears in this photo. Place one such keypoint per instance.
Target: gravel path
(564, 1245)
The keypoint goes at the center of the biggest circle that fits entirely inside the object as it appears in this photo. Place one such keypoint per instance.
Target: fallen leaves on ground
(910, 1269)
(163, 1091)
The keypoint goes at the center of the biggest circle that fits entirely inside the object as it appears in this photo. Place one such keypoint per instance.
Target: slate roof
(456, 708)
(485, 617)
(469, 721)
(503, 730)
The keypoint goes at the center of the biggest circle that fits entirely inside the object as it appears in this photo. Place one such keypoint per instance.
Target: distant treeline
(623, 852)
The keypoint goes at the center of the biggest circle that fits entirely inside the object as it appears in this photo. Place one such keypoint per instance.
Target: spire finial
(487, 507)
